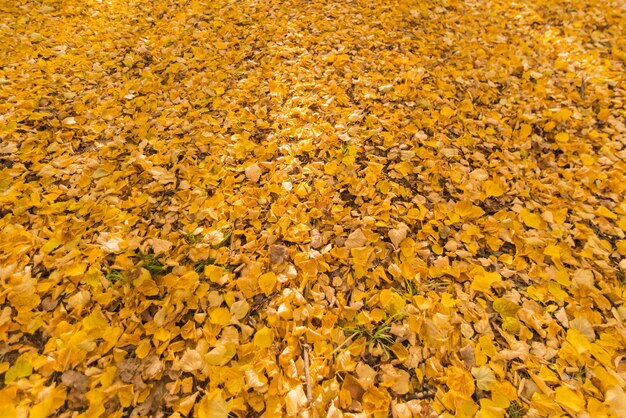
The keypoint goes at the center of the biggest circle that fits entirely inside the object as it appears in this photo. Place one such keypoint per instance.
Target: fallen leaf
(253, 172)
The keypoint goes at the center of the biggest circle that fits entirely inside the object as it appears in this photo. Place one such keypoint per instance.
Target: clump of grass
(437, 285)
(381, 336)
(378, 336)
(579, 374)
(410, 287)
(515, 411)
(193, 239)
(151, 263)
(200, 265)
(115, 276)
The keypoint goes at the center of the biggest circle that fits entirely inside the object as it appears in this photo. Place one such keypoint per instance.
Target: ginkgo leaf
(220, 316)
(356, 239)
(190, 361)
(484, 377)
(22, 368)
(603, 211)
(505, 307)
(213, 405)
(362, 255)
(525, 130)
(562, 137)
(447, 112)
(569, 399)
(263, 338)
(267, 282)
(483, 282)
(531, 219)
(460, 381)
(493, 188)
(511, 325)
(253, 172)
(397, 235)
(553, 251)
(391, 301)
(295, 400)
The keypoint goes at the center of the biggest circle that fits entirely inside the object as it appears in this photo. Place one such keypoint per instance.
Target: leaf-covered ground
(312, 208)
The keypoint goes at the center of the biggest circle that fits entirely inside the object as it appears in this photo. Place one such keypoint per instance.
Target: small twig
(583, 85)
(307, 373)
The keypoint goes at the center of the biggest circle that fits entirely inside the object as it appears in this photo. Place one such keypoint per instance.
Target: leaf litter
(315, 208)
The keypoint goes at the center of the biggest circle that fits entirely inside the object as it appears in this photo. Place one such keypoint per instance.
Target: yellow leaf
(562, 137)
(490, 409)
(267, 282)
(505, 307)
(511, 325)
(190, 361)
(545, 405)
(493, 188)
(397, 235)
(562, 114)
(465, 209)
(557, 291)
(50, 404)
(185, 404)
(404, 167)
(295, 400)
(214, 273)
(391, 302)
(483, 282)
(263, 338)
(240, 309)
(525, 130)
(213, 405)
(49, 246)
(361, 256)
(7, 410)
(560, 216)
(188, 280)
(400, 351)
(447, 111)
(143, 348)
(487, 345)
(600, 354)
(460, 381)
(221, 354)
(484, 377)
(604, 212)
(552, 251)
(308, 267)
(604, 114)
(96, 320)
(376, 402)
(21, 368)
(220, 316)
(569, 399)
(76, 269)
(161, 246)
(530, 219)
